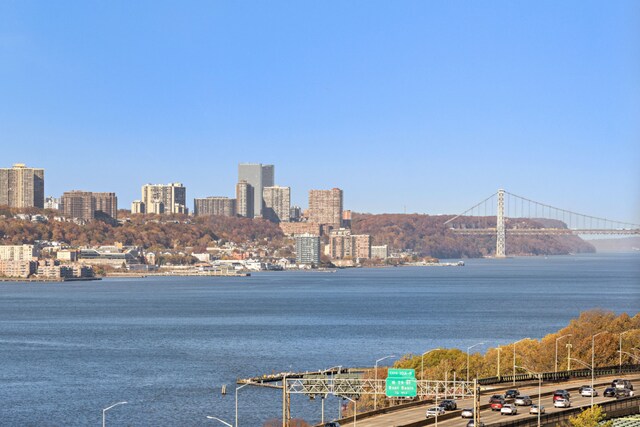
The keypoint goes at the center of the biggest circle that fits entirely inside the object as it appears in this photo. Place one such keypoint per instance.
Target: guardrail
(563, 375)
(624, 406)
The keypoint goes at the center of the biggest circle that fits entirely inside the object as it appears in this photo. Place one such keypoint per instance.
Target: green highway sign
(401, 373)
(401, 387)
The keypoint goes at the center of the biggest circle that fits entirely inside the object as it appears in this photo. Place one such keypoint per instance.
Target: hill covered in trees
(429, 236)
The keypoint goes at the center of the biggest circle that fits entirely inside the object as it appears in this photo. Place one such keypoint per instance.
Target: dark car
(332, 424)
(471, 424)
(497, 405)
(511, 394)
(496, 398)
(609, 392)
(449, 405)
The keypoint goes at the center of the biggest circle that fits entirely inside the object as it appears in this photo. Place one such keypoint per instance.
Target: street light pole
(375, 392)
(558, 339)
(422, 361)
(498, 373)
(593, 360)
(324, 395)
(355, 408)
(514, 360)
(209, 417)
(469, 348)
(238, 388)
(621, 334)
(539, 390)
(569, 347)
(590, 367)
(104, 412)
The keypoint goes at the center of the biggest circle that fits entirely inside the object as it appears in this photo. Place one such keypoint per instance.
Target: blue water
(167, 345)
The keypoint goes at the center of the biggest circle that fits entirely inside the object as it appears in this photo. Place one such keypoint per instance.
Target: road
(409, 415)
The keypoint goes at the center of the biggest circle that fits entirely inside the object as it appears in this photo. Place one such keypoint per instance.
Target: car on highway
(609, 392)
(523, 401)
(449, 405)
(623, 392)
(561, 403)
(436, 411)
(332, 424)
(509, 409)
(472, 424)
(497, 405)
(495, 398)
(588, 392)
(620, 383)
(582, 387)
(561, 394)
(467, 413)
(511, 394)
(535, 408)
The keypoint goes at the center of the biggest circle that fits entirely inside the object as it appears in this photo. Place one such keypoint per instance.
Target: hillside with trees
(429, 236)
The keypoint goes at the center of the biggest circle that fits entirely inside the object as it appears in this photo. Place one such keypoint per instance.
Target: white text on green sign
(401, 373)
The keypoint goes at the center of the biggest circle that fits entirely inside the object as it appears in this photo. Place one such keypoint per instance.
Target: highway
(487, 416)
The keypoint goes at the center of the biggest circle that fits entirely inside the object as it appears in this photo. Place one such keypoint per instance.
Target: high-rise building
(295, 213)
(307, 249)
(219, 206)
(88, 205)
(244, 199)
(18, 252)
(325, 207)
(344, 245)
(257, 176)
(22, 187)
(361, 246)
(168, 199)
(277, 203)
(137, 207)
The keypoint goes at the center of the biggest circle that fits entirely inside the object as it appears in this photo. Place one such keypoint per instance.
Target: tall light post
(621, 334)
(355, 408)
(539, 390)
(422, 361)
(238, 388)
(375, 394)
(324, 395)
(589, 367)
(593, 359)
(469, 348)
(104, 412)
(558, 339)
(498, 371)
(209, 417)
(514, 359)
(569, 347)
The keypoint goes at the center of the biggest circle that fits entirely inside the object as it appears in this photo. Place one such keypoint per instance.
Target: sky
(425, 106)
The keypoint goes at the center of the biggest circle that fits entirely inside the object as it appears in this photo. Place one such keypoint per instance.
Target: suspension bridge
(505, 213)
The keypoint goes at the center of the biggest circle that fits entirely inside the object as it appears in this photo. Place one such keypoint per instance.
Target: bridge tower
(501, 235)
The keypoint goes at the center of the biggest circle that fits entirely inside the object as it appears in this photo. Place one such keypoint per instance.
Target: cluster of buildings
(322, 229)
(24, 261)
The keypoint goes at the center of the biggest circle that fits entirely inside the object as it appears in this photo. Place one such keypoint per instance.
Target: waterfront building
(219, 206)
(18, 252)
(165, 198)
(22, 269)
(361, 246)
(87, 205)
(244, 199)
(344, 245)
(380, 252)
(137, 207)
(325, 207)
(277, 203)
(52, 203)
(22, 187)
(258, 176)
(307, 249)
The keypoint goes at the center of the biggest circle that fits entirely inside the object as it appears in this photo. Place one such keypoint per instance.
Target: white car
(523, 401)
(467, 413)
(534, 409)
(588, 392)
(562, 403)
(436, 411)
(508, 409)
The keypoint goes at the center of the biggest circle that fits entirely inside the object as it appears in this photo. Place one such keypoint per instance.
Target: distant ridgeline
(428, 235)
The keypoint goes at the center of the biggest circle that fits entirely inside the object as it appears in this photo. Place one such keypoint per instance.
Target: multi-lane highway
(487, 416)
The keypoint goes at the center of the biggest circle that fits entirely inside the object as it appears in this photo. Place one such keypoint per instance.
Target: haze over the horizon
(419, 106)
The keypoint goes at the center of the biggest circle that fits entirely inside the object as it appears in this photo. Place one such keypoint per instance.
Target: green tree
(590, 418)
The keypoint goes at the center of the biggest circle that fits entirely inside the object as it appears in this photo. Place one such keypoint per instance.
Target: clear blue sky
(432, 105)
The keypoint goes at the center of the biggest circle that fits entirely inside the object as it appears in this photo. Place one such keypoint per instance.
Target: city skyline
(392, 103)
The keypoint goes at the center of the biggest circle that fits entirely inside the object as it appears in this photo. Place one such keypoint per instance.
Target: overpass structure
(504, 213)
